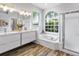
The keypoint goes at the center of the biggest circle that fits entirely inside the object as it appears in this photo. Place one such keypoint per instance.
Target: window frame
(37, 14)
(35, 26)
(55, 33)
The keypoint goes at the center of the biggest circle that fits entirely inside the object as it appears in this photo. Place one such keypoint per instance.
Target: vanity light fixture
(25, 13)
(9, 9)
(21, 13)
(1, 6)
(30, 14)
(5, 8)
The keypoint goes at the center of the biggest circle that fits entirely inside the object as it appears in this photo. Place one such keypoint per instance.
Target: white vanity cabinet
(9, 41)
(28, 37)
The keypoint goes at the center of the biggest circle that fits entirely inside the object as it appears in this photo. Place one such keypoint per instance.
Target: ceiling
(45, 5)
(58, 6)
(51, 5)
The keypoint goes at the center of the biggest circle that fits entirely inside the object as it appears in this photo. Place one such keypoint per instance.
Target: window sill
(52, 33)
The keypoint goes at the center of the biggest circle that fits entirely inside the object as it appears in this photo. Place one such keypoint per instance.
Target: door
(71, 40)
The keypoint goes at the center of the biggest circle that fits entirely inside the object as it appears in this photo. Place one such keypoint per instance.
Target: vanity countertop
(15, 32)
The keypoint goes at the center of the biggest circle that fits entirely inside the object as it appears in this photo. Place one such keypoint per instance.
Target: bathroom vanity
(11, 40)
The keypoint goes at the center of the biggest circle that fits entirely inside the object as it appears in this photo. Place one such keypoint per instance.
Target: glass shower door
(71, 40)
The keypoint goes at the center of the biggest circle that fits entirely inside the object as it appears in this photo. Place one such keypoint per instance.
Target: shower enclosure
(71, 31)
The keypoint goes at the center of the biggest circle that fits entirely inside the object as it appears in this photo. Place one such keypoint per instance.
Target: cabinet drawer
(27, 41)
(9, 46)
(28, 37)
(9, 38)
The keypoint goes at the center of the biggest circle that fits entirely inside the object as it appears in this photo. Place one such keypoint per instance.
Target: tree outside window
(51, 22)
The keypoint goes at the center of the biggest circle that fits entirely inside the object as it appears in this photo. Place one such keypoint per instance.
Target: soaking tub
(50, 41)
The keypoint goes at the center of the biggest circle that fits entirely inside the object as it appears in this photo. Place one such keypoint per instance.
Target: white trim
(52, 33)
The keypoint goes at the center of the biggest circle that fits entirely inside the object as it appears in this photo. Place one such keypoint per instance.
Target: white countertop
(15, 32)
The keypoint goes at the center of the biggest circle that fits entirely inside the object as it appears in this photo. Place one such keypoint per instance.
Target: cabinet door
(8, 42)
(9, 46)
(71, 41)
(28, 37)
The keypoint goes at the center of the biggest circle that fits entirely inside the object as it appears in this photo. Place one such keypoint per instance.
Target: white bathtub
(50, 41)
(50, 38)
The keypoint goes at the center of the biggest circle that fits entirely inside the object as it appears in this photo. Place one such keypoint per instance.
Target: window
(35, 18)
(51, 22)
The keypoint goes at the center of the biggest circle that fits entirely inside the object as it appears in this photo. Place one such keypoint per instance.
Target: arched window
(51, 22)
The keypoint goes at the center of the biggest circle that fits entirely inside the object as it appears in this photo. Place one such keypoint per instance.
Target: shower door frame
(63, 28)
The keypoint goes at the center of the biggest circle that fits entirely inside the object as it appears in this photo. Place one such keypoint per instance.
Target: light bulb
(5, 8)
(1, 6)
(21, 13)
(11, 10)
(30, 14)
